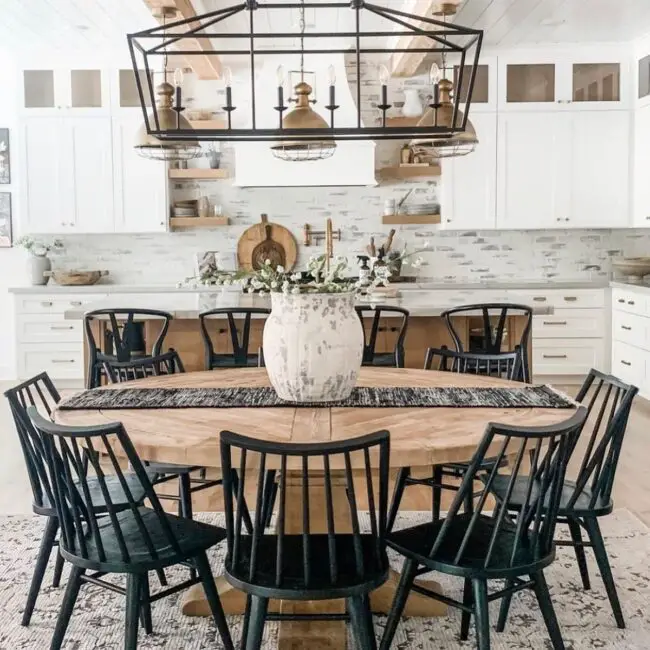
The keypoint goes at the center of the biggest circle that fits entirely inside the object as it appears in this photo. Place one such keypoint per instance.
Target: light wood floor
(631, 491)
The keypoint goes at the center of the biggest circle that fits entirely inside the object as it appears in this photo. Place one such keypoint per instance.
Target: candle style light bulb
(227, 77)
(435, 74)
(384, 75)
(178, 77)
(280, 75)
(331, 75)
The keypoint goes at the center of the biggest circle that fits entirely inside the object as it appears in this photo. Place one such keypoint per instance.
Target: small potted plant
(38, 263)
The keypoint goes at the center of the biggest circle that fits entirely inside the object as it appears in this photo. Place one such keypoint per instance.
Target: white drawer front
(629, 363)
(64, 361)
(53, 304)
(45, 328)
(631, 329)
(560, 298)
(633, 302)
(570, 323)
(567, 356)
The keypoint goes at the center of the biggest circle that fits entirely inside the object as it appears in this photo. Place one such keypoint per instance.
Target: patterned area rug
(585, 617)
(387, 397)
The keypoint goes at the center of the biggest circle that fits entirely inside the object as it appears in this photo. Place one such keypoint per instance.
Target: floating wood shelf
(403, 121)
(402, 219)
(208, 124)
(408, 171)
(197, 222)
(198, 174)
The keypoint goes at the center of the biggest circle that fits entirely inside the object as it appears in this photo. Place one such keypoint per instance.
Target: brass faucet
(329, 234)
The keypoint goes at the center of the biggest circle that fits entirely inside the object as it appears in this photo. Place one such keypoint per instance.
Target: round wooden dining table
(419, 438)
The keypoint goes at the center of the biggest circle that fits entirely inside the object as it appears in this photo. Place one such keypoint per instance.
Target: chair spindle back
(163, 364)
(505, 365)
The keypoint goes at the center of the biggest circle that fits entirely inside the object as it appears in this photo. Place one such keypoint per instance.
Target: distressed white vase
(37, 266)
(412, 103)
(313, 346)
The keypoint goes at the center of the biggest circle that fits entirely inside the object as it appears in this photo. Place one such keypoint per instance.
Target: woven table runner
(362, 397)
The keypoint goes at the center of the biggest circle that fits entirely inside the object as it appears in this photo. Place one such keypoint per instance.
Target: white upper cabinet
(68, 174)
(485, 92)
(63, 90)
(600, 169)
(137, 209)
(531, 168)
(582, 80)
(641, 146)
(469, 182)
(563, 170)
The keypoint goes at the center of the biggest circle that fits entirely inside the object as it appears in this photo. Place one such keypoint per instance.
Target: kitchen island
(426, 327)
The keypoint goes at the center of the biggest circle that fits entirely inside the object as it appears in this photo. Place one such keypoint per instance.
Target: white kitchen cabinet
(563, 170)
(475, 209)
(137, 210)
(63, 91)
(532, 170)
(68, 172)
(582, 79)
(599, 178)
(641, 146)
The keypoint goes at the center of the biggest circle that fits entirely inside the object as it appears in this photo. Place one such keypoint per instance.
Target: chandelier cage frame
(437, 31)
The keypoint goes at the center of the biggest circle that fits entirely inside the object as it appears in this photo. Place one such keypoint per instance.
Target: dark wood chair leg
(482, 615)
(361, 619)
(211, 593)
(576, 537)
(162, 578)
(596, 538)
(546, 605)
(504, 608)
(145, 607)
(133, 589)
(466, 616)
(398, 493)
(436, 493)
(44, 552)
(399, 602)
(185, 503)
(58, 570)
(69, 599)
(255, 631)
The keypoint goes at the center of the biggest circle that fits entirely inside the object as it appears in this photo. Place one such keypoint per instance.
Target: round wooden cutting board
(256, 234)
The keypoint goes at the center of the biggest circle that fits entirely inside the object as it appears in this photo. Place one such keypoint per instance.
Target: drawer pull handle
(626, 327)
(555, 322)
(539, 299)
(62, 360)
(621, 300)
(62, 327)
(570, 298)
(76, 303)
(554, 356)
(625, 363)
(630, 302)
(45, 303)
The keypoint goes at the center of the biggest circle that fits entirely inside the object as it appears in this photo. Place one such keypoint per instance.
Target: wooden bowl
(634, 268)
(76, 278)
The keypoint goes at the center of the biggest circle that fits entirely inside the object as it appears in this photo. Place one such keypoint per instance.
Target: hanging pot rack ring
(443, 38)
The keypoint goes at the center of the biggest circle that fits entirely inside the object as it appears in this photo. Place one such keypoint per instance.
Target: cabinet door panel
(642, 167)
(469, 182)
(137, 210)
(43, 186)
(91, 174)
(600, 169)
(532, 170)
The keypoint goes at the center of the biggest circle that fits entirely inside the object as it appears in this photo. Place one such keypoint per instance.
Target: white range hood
(353, 163)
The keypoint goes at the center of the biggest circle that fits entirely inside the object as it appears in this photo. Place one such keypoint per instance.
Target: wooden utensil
(256, 234)
(389, 241)
(267, 249)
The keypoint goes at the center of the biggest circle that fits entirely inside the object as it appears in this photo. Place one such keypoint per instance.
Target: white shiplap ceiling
(64, 26)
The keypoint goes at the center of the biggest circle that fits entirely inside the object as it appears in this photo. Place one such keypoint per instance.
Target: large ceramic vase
(313, 346)
(37, 267)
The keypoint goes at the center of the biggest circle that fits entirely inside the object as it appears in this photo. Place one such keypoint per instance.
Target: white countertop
(189, 305)
(102, 288)
(631, 286)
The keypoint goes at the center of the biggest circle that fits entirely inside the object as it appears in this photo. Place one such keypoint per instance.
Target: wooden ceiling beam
(205, 66)
(405, 64)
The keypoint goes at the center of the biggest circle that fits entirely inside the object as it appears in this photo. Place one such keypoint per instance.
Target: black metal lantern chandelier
(303, 134)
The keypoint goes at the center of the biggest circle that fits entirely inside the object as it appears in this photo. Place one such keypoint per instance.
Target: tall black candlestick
(436, 94)
(178, 97)
(332, 95)
(228, 96)
(384, 94)
(280, 96)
